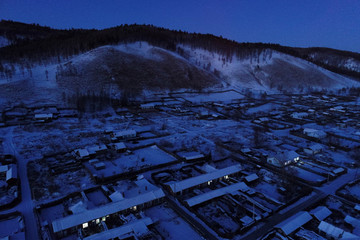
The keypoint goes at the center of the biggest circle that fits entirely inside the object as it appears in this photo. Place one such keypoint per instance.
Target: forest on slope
(41, 44)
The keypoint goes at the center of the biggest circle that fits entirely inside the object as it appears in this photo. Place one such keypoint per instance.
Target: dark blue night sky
(303, 23)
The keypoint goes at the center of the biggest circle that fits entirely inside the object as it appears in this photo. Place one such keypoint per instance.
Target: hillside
(65, 43)
(57, 66)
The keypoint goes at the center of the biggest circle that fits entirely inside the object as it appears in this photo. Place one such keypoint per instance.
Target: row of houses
(147, 196)
(318, 216)
(179, 187)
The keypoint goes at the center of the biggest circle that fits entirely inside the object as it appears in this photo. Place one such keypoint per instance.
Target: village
(216, 165)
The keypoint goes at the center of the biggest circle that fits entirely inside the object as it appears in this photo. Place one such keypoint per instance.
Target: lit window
(226, 177)
(85, 225)
(97, 220)
(134, 208)
(209, 182)
(103, 219)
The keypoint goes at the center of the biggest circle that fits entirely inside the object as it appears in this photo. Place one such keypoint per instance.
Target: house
(70, 224)
(137, 229)
(78, 207)
(99, 165)
(293, 223)
(334, 232)
(305, 234)
(299, 115)
(147, 106)
(264, 119)
(191, 156)
(314, 133)
(3, 170)
(81, 153)
(100, 148)
(11, 175)
(116, 196)
(283, 158)
(320, 213)
(43, 117)
(251, 178)
(119, 146)
(203, 114)
(352, 221)
(68, 113)
(338, 171)
(124, 134)
(196, 200)
(339, 109)
(313, 149)
(357, 207)
(204, 179)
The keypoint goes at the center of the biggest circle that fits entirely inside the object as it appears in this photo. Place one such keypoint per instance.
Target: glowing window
(85, 225)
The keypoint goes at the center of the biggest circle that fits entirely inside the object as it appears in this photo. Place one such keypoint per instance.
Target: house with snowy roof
(12, 175)
(314, 133)
(283, 158)
(147, 195)
(334, 232)
(313, 149)
(320, 213)
(119, 146)
(81, 153)
(124, 134)
(203, 179)
(293, 223)
(43, 117)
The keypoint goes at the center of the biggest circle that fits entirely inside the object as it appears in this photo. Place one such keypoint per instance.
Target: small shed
(11, 175)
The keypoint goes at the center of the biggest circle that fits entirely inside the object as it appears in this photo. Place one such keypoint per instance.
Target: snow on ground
(10, 226)
(170, 225)
(225, 97)
(268, 107)
(4, 42)
(243, 73)
(140, 158)
(306, 175)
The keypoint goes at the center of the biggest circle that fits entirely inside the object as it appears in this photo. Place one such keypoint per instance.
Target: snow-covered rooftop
(320, 213)
(251, 177)
(296, 221)
(138, 228)
(216, 193)
(335, 232)
(77, 219)
(194, 181)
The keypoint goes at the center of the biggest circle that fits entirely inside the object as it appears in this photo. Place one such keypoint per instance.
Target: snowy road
(26, 206)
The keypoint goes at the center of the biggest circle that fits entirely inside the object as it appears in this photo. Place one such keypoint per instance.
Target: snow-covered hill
(140, 67)
(268, 71)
